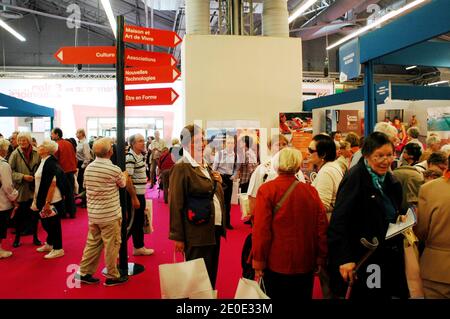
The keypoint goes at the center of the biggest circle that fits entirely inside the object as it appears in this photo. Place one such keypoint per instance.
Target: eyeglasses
(380, 159)
(311, 151)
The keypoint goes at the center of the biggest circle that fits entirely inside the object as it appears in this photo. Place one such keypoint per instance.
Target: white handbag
(249, 289)
(187, 279)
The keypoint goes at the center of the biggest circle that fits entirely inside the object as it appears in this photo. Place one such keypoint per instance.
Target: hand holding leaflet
(399, 227)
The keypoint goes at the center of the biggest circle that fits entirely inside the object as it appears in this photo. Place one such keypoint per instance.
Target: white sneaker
(44, 249)
(5, 254)
(143, 251)
(55, 253)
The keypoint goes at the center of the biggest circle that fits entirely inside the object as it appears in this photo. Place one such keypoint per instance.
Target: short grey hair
(387, 129)
(132, 139)
(102, 146)
(446, 149)
(433, 139)
(413, 132)
(288, 161)
(26, 135)
(50, 146)
(4, 144)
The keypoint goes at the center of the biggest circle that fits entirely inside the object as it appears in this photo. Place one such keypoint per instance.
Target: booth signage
(147, 58)
(349, 61)
(383, 91)
(151, 75)
(86, 55)
(164, 96)
(150, 36)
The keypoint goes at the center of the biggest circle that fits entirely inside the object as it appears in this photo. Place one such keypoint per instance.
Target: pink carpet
(27, 275)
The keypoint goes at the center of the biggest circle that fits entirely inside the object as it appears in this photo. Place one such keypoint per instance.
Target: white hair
(433, 139)
(386, 128)
(26, 135)
(446, 148)
(288, 161)
(4, 144)
(102, 146)
(50, 146)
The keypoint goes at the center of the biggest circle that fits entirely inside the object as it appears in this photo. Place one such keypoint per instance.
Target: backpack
(246, 256)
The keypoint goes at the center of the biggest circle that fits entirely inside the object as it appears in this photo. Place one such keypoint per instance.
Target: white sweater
(327, 183)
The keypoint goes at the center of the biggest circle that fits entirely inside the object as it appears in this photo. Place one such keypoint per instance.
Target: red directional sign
(147, 58)
(150, 36)
(151, 75)
(86, 55)
(166, 96)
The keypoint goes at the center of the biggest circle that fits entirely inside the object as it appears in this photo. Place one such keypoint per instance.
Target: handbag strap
(23, 158)
(285, 196)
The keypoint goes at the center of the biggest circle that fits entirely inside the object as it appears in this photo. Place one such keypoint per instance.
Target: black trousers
(52, 225)
(137, 229)
(24, 215)
(4, 219)
(228, 192)
(80, 180)
(209, 253)
(244, 187)
(281, 286)
(69, 204)
(165, 174)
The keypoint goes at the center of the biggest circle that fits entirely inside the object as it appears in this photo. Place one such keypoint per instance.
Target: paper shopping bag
(235, 193)
(245, 206)
(249, 289)
(184, 279)
(412, 267)
(207, 294)
(148, 217)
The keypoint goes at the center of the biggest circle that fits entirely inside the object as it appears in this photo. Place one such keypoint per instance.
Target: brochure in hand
(399, 227)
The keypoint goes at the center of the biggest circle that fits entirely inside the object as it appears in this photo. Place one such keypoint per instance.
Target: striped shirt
(136, 169)
(102, 180)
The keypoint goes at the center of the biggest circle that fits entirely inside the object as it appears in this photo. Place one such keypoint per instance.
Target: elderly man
(102, 180)
(156, 146)
(136, 189)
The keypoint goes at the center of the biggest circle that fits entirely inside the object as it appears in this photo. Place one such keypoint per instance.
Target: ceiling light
(110, 14)
(437, 83)
(384, 18)
(12, 31)
(301, 9)
(411, 67)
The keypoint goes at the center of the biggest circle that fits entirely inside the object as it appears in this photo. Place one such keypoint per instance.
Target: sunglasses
(311, 151)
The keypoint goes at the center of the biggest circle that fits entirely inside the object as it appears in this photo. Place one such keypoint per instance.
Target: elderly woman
(48, 201)
(289, 233)
(322, 154)
(369, 198)
(433, 222)
(24, 162)
(196, 200)
(7, 194)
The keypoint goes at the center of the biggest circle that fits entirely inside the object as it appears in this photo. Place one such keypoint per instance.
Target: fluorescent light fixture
(411, 67)
(437, 83)
(384, 18)
(12, 31)
(110, 14)
(301, 9)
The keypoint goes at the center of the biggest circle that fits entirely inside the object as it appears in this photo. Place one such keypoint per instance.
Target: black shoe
(72, 216)
(116, 281)
(87, 279)
(229, 227)
(37, 242)
(16, 243)
(248, 222)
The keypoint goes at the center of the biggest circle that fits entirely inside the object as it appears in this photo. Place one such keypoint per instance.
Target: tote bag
(249, 289)
(184, 279)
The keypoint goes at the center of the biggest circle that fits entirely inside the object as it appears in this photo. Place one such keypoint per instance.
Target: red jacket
(165, 161)
(66, 156)
(294, 240)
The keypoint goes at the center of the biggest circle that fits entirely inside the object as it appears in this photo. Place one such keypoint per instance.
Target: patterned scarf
(377, 180)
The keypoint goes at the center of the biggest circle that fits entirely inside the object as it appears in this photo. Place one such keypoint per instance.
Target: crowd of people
(331, 222)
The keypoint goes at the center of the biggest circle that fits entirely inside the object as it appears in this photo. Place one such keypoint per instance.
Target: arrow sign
(166, 96)
(147, 58)
(86, 55)
(151, 75)
(151, 36)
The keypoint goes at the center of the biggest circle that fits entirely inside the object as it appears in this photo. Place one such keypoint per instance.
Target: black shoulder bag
(199, 207)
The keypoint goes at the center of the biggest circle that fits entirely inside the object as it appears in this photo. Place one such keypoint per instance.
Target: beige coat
(433, 227)
(185, 179)
(19, 169)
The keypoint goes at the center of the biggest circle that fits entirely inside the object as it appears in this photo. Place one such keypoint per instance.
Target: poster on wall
(297, 127)
(344, 121)
(438, 122)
